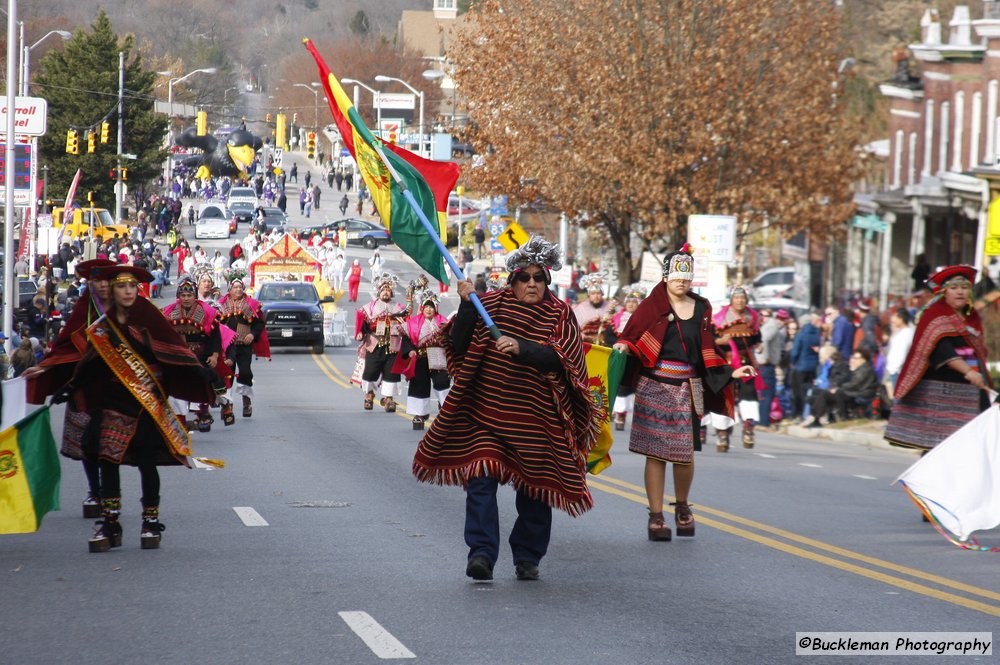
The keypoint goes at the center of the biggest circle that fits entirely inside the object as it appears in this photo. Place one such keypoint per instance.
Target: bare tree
(637, 113)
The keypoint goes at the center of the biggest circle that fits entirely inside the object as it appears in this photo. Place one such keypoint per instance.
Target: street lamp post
(315, 93)
(170, 85)
(385, 79)
(26, 58)
(376, 98)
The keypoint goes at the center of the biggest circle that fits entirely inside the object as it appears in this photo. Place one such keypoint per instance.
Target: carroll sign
(30, 115)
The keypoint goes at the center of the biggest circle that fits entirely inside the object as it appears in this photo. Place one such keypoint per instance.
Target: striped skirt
(918, 419)
(665, 425)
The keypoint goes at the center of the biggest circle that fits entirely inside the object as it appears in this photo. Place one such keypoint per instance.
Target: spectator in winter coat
(805, 361)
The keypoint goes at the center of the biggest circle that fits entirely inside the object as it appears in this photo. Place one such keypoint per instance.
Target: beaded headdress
(679, 264)
(536, 252)
(595, 281)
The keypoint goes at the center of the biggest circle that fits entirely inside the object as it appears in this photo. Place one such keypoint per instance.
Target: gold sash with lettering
(136, 375)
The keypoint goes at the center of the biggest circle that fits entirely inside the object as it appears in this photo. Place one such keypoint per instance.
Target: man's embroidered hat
(187, 285)
(235, 275)
(634, 292)
(385, 279)
(203, 271)
(595, 281)
(536, 252)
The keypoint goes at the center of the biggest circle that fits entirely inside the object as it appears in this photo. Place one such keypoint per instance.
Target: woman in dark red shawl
(122, 368)
(946, 365)
(680, 375)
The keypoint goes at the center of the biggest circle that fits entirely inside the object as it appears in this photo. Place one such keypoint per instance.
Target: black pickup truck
(292, 314)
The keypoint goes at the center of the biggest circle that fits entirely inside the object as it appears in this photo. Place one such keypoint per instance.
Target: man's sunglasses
(523, 277)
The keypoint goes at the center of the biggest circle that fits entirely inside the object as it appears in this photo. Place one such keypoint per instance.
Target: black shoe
(526, 571)
(479, 569)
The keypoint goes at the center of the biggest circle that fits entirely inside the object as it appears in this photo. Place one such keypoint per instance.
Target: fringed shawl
(937, 322)
(510, 421)
(644, 335)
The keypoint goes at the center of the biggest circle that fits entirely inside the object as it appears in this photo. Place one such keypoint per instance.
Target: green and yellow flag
(429, 181)
(605, 369)
(29, 473)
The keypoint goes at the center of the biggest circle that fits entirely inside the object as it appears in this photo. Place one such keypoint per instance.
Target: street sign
(498, 205)
(30, 115)
(129, 155)
(278, 152)
(870, 223)
(513, 237)
(713, 237)
(993, 246)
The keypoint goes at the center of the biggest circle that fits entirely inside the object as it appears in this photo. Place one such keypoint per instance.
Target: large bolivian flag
(29, 473)
(429, 181)
(604, 368)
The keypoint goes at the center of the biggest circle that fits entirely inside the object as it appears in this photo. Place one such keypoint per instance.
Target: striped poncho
(513, 422)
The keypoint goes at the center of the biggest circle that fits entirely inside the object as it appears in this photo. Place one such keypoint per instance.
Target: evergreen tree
(360, 24)
(80, 83)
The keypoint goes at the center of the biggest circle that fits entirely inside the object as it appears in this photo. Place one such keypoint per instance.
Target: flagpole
(435, 236)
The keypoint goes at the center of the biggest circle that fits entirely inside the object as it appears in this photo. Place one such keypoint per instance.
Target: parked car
(292, 314)
(468, 207)
(359, 232)
(214, 221)
(774, 283)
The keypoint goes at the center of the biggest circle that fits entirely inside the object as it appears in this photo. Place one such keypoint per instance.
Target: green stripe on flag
(41, 461)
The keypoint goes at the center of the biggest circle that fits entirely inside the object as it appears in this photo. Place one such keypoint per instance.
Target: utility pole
(121, 132)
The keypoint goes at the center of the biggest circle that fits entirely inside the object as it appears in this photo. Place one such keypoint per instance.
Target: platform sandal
(228, 417)
(683, 519)
(657, 528)
(369, 400)
(418, 422)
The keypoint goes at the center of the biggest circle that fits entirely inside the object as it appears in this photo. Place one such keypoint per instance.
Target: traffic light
(105, 131)
(295, 118)
(72, 142)
(279, 130)
(91, 141)
(201, 123)
(267, 118)
(90, 198)
(311, 146)
(124, 173)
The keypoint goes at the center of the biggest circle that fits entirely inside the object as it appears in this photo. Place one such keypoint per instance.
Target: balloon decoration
(230, 157)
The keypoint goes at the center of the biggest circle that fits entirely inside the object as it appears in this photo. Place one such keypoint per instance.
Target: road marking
(330, 370)
(811, 466)
(249, 516)
(637, 494)
(858, 475)
(765, 455)
(379, 640)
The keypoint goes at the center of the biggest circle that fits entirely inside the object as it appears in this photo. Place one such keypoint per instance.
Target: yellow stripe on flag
(17, 509)
(597, 370)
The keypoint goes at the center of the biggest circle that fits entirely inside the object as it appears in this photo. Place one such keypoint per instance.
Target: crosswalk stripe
(858, 475)
(249, 516)
(811, 466)
(379, 640)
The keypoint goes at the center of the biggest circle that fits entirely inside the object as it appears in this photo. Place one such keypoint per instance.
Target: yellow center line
(637, 495)
(327, 367)
(832, 549)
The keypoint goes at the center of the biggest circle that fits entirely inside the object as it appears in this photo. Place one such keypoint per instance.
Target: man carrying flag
(520, 412)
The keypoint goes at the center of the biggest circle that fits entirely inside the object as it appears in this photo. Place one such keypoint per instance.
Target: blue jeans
(766, 394)
(529, 539)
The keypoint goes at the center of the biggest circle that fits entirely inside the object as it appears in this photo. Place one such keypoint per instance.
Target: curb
(852, 436)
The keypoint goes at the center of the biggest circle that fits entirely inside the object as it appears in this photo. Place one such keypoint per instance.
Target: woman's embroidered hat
(426, 298)
(952, 274)
(634, 292)
(679, 264)
(536, 252)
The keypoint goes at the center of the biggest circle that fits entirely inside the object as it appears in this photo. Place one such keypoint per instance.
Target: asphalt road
(315, 545)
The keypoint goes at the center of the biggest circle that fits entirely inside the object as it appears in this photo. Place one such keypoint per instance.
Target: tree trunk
(620, 235)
